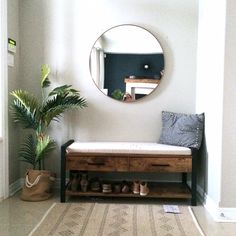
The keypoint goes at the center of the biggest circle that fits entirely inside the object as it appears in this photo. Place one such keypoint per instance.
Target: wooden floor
(18, 218)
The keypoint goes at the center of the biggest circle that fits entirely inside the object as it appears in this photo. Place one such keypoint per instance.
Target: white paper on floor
(171, 209)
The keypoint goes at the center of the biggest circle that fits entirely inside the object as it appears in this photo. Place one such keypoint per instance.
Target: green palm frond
(44, 146)
(27, 100)
(27, 151)
(56, 106)
(74, 101)
(64, 91)
(24, 116)
(45, 71)
(69, 100)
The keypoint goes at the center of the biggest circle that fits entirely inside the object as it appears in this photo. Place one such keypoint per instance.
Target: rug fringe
(44, 216)
(195, 221)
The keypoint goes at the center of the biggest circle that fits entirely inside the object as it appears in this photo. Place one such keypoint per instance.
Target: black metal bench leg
(194, 178)
(63, 170)
(184, 178)
(63, 175)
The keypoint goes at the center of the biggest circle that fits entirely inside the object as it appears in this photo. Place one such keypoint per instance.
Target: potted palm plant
(36, 115)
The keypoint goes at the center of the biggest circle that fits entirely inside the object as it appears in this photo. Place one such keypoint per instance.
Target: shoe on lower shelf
(136, 187)
(144, 190)
(106, 188)
(117, 188)
(125, 187)
(95, 185)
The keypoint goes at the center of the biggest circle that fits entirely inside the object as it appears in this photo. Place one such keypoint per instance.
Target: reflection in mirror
(127, 62)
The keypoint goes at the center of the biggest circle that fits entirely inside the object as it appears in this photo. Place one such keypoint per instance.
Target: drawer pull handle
(161, 165)
(96, 163)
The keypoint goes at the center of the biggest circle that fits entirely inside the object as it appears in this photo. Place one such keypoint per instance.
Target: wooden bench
(131, 157)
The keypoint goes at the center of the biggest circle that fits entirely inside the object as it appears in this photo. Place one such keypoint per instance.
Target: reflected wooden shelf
(157, 190)
(139, 85)
(143, 80)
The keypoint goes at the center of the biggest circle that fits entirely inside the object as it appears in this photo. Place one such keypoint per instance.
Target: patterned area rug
(100, 219)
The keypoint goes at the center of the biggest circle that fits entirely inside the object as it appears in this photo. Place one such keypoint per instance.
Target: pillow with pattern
(182, 129)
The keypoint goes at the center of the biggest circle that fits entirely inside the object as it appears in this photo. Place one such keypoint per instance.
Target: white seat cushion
(127, 147)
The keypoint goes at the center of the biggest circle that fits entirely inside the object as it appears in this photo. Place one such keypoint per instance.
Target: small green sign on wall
(11, 45)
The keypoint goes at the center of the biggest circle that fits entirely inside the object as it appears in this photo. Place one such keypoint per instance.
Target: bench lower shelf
(157, 190)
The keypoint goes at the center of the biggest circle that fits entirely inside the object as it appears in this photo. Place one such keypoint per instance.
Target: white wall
(217, 98)
(210, 78)
(13, 83)
(228, 190)
(1, 171)
(62, 33)
(4, 172)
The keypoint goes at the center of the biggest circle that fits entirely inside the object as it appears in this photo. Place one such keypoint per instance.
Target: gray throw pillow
(182, 129)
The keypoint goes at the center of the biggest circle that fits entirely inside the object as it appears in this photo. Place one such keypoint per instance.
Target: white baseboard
(16, 186)
(220, 214)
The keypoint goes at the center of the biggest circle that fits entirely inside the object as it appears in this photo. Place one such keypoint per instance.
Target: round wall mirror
(127, 63)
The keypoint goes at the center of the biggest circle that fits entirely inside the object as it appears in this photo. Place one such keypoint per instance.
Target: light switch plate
(10, 59)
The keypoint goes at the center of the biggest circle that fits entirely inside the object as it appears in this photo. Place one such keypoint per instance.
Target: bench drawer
(94, 163)
(161, 164)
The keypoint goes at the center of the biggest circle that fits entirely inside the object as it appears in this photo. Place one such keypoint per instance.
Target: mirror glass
(127, 63)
